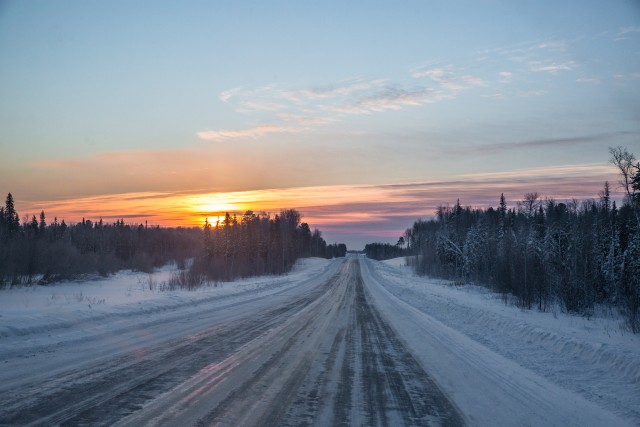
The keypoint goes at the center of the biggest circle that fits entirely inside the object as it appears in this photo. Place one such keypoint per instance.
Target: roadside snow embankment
(29, 310)
(594, 358)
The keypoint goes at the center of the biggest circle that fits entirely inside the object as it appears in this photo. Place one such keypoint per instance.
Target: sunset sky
(363, 115)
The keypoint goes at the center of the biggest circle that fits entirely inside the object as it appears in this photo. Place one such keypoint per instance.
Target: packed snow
(50, 329)
(499, 365)
(568, 357)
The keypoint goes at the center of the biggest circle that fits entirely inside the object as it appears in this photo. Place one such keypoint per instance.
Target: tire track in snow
(379, 382)
(103, 394)
(398, 390)
(325, 358)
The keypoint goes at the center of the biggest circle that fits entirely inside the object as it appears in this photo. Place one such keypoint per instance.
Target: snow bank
(37, 309)
(396, 262)
(591, 357)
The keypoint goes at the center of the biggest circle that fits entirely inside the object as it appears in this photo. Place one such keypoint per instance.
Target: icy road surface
(316, 353)
(328, 344)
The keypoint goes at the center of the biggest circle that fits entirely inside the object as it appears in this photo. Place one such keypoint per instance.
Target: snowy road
(318, 354)
(345, 342)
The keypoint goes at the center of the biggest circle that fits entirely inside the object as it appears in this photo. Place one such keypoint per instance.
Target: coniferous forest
(259, 244)
(580, 254)
(42, 251)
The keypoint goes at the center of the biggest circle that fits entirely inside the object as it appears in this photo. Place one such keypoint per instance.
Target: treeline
(578, 253)
(382, 251)
(46, 252)
(258, 244)
(42, 252)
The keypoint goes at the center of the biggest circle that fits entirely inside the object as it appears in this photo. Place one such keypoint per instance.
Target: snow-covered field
(594, 358)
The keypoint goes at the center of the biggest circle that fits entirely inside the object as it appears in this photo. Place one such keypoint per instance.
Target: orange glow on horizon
(386, 208)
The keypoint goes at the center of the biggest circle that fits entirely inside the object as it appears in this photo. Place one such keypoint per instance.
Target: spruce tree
(43, 223)
(12, 219)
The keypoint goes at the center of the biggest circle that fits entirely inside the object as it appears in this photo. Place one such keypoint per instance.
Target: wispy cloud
(547, 56)
(340, 89)
(553, 45)
(588, 80)
(259, 105)
(308, 119)
(472, 81)
(521, 70)
(358, 97)
(549, 142)
(505, 77)
(449, 78)
(263, 98)
(438, 74)
(551, 67)
(226, 95)
(628, 30)
(390, 98)
(626, 76)
(323, 104)
(624, 32)
(255, 132)
(530, 93)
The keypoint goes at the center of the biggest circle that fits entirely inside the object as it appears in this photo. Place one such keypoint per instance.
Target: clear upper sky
(364, 115)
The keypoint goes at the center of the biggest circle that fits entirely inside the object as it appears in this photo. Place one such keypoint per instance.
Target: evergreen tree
(605, 197)
(33, 226)
(42, 224)
(12, 220)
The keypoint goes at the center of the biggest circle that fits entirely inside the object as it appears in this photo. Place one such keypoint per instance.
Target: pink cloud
(360, 211)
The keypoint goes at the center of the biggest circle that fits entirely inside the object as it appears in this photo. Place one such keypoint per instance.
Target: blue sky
(111, 98)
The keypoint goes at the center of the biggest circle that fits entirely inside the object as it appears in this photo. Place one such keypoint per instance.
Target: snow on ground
(499, 364)
(30, 314)
(396, 262)
(594, 358)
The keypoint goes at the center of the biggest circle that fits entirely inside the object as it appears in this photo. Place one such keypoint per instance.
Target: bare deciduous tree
(629, 169)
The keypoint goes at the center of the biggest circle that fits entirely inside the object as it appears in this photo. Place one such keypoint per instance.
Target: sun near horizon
(363, 119)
